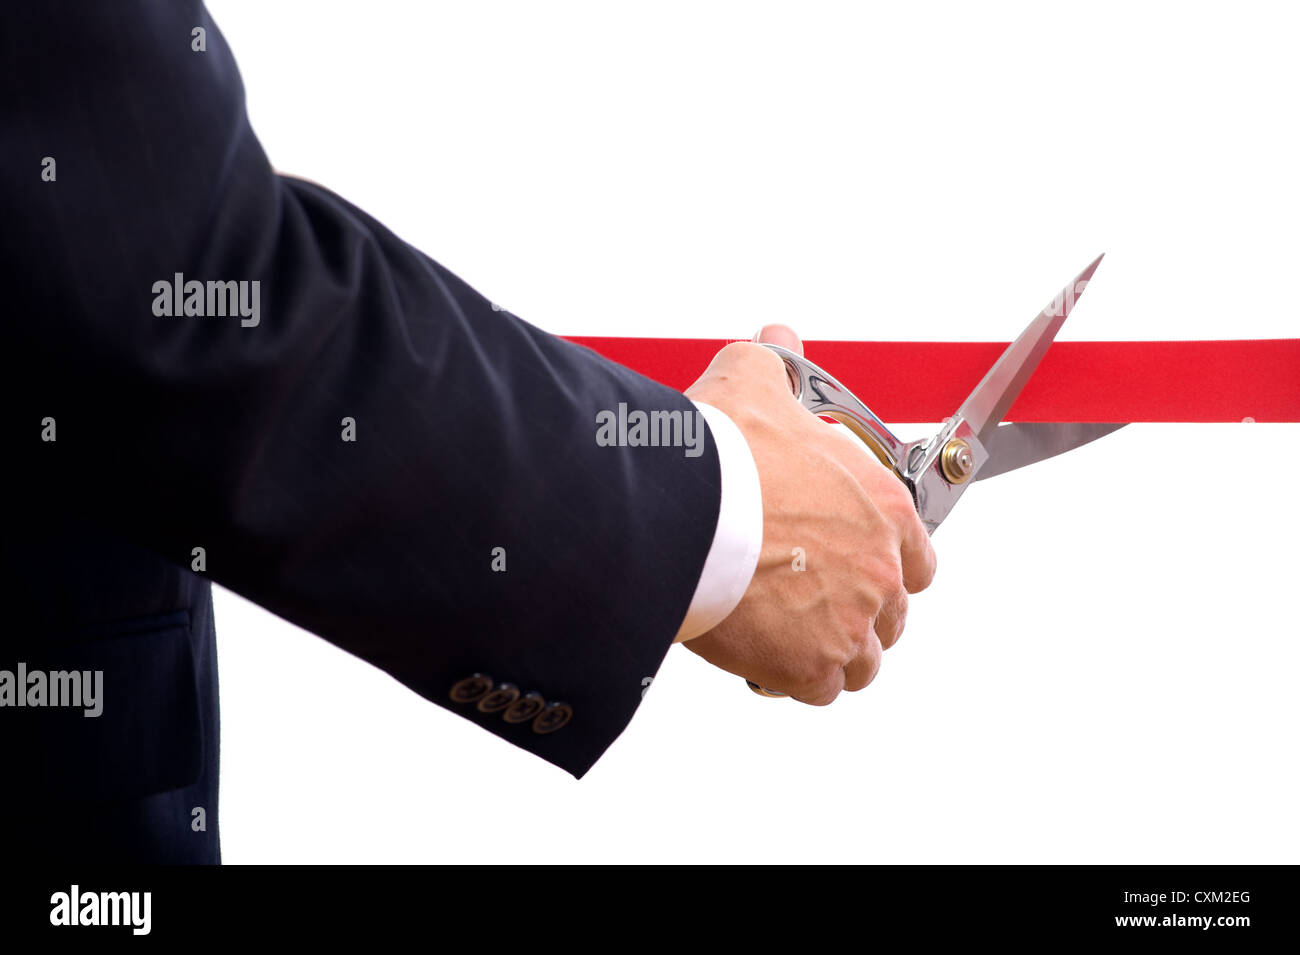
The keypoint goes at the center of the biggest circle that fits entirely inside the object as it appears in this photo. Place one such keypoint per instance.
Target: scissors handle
(821, 394)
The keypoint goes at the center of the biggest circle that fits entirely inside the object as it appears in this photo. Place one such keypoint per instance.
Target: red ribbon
(1254, 380)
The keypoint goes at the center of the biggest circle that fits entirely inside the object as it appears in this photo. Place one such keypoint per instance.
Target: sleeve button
(471, 688)
(525, 708)
(499, 698)
(552, 718)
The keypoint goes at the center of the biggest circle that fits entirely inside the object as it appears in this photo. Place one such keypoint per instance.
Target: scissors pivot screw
(958, 461)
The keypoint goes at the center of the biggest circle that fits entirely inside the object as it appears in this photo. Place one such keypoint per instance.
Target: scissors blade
(1012, 446)
(997, 392)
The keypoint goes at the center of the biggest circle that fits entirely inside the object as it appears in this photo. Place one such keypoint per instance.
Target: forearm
(353, 459)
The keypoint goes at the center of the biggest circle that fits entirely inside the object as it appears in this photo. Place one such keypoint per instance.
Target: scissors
(973, 444)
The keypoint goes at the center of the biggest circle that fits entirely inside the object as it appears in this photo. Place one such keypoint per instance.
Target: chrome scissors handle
(821, 394)
(934, 469)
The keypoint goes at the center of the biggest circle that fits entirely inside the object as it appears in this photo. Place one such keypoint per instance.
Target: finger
(917, 554)
(866, 665)
(860, 450)
(891, 619)
(919, 560)
(824, 690)
(782, 335)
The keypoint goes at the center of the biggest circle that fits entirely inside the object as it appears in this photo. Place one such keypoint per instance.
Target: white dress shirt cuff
(738, 538)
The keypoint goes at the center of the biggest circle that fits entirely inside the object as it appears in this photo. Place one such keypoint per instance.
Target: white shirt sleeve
(738, 538)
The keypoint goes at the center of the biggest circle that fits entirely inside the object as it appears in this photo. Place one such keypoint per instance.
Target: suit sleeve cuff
(738, 538)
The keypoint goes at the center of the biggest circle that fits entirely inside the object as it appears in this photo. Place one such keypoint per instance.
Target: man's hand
(815, 631)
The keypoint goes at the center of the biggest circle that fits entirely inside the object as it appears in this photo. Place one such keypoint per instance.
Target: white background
(1104, 669)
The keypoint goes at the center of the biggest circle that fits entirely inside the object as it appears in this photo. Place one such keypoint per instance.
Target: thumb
(782, 335)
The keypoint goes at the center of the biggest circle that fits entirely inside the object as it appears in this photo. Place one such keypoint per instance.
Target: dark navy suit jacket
(473, 431)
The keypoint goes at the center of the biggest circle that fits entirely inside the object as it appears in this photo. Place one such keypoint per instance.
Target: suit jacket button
(499, 698)
(552, 718)
(523, 710)
(471, 688)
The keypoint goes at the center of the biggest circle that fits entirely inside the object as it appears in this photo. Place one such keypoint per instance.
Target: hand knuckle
(885, 571)
(822, 680)
(866, 672)
(899, 499)
(856, 619)
(824, 695)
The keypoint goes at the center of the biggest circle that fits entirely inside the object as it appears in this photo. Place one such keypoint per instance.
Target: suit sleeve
(382, 458)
